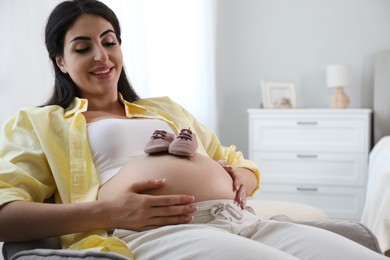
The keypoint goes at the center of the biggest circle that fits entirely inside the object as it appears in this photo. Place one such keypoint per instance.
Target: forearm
(23, 220)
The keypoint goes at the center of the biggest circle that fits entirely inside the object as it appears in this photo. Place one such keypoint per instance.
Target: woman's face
(92, 57)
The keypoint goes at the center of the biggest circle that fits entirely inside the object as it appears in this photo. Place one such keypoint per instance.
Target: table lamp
(338, 77)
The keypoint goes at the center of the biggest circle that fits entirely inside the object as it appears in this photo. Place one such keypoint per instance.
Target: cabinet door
(340, 202)
(308, 134)
(310, 167)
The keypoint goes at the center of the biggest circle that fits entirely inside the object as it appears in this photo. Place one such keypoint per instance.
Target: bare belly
(199, 176)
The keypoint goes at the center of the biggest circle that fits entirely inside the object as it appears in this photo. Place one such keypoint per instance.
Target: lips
(102, 72)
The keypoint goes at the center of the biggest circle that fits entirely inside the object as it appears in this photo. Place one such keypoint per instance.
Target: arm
(26, 220)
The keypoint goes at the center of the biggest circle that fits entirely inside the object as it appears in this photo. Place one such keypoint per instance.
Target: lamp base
(339, 99)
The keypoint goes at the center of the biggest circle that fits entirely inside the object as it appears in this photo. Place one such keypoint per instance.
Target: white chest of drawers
(314, 156)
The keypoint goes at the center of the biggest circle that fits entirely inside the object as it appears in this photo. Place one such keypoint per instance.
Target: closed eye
(109, 44)
(82, 50)
(88, 48)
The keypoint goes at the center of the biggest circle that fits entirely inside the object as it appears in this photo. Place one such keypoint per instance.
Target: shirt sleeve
(24, 170)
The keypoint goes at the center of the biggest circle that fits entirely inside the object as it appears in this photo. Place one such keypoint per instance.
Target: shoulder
(42, 111)
(54, 111)
(39, 115)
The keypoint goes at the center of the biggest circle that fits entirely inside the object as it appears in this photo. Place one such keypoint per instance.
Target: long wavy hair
(60, 20)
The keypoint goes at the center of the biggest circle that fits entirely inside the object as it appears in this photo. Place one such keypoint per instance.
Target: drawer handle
(307, 123)
(305, 156)
(307, 189)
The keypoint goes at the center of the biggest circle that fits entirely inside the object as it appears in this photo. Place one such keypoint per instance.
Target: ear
(61, 64)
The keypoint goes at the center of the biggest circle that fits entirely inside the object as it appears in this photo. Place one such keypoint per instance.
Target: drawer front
(325, 168)
(308, 135)
(342, 202)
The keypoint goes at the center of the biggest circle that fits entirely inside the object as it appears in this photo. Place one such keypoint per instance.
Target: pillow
(295, 210)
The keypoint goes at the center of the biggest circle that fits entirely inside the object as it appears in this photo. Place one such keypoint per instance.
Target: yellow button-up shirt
(45, 151)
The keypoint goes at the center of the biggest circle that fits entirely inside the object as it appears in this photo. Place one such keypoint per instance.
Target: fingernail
(160, 180)
(190, 199)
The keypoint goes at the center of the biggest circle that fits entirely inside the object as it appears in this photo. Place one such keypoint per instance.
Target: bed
(376, 213)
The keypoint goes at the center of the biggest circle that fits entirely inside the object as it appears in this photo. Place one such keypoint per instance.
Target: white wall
(25, 71)
(293, 40)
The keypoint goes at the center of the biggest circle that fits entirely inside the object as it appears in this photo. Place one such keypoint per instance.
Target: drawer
(326, 168)
(341, 202)
(308, 134)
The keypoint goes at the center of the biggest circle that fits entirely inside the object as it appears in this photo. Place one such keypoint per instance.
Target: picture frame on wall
(278, 94)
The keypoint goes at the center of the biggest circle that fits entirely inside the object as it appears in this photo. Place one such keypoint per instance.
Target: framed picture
(278, 94)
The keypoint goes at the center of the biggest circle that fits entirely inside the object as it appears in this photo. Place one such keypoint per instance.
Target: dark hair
(60, 20)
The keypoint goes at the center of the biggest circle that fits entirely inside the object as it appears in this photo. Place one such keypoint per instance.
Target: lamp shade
(338, 75)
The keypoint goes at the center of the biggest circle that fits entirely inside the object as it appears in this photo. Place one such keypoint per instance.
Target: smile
(101, 72)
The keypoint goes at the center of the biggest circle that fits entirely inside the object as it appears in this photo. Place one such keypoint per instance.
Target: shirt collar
(80, 105)
(131, 109)
(77, 105)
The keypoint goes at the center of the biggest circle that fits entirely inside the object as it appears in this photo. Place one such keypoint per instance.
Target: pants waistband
(219, 209)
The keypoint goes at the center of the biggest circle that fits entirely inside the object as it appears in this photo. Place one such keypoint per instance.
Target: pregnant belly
(199, 176)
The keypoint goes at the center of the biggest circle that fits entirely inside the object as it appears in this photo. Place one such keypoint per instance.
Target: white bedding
(376, 213)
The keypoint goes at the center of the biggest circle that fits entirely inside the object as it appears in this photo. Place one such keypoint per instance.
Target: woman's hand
(238, 183)
(128, 208)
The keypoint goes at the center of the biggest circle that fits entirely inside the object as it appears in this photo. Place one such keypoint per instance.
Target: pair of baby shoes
(185, 144)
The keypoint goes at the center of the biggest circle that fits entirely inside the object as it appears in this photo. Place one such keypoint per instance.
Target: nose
(100, 54)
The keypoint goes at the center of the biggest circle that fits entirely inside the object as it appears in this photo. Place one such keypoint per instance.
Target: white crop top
(114, 141)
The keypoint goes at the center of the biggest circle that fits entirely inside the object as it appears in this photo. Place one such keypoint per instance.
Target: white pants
(222, 230)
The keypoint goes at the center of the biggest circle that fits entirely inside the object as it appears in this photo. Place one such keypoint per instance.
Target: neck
(108, 106)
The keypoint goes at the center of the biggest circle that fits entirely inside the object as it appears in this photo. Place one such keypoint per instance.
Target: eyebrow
(77, 38)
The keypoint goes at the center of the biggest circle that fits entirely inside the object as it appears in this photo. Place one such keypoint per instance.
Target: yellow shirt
(45, 151)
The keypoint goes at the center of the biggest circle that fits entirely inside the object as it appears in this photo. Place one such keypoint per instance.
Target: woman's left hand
(238, 183)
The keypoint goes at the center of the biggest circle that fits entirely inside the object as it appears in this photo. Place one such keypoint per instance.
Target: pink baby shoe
(159, 142)
(185, 144)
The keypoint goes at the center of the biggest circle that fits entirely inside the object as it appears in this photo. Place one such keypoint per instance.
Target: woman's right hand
(128, 208)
